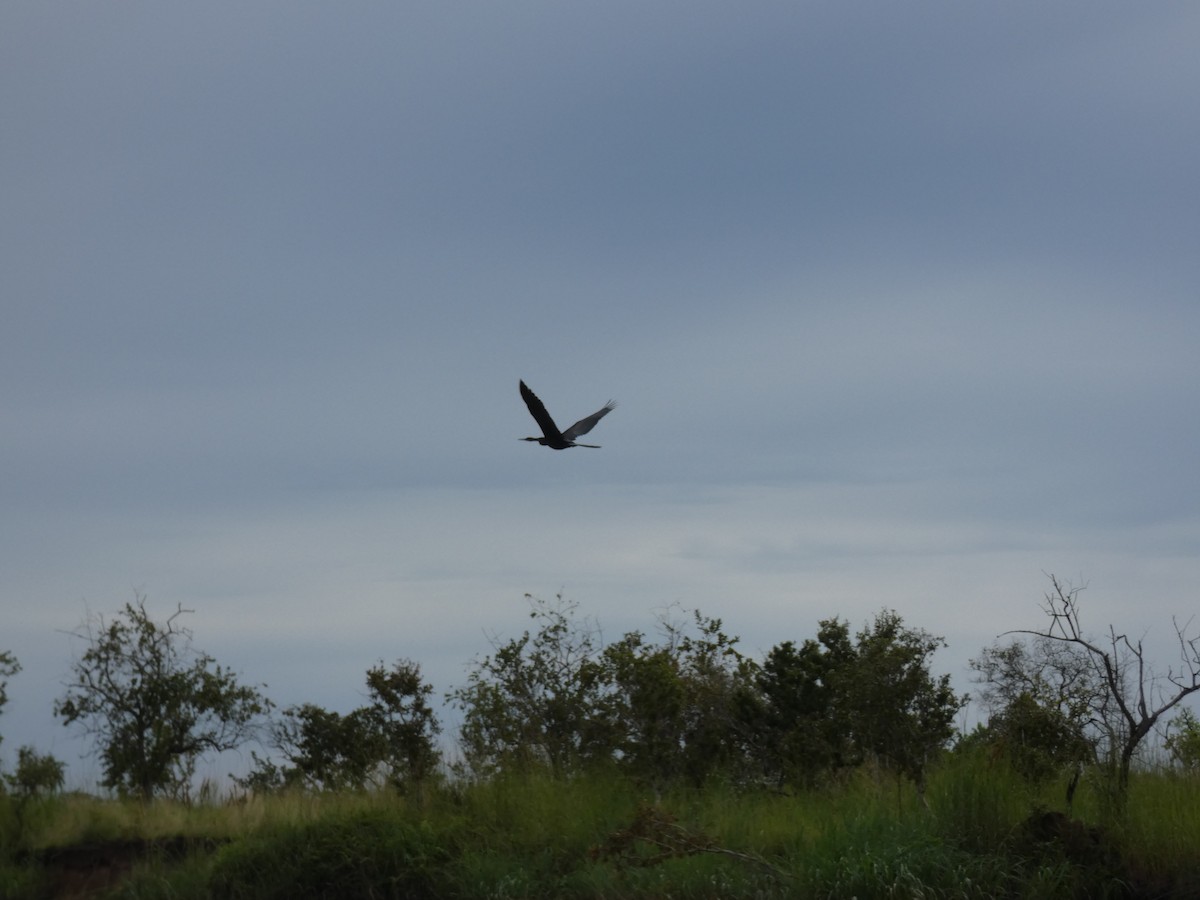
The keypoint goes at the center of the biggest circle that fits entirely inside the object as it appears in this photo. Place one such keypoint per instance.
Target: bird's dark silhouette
(551, 436)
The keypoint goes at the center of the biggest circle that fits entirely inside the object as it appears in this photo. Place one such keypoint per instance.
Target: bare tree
(1136, 697)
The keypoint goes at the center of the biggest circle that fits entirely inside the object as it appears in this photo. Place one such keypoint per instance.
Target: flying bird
(551, 436)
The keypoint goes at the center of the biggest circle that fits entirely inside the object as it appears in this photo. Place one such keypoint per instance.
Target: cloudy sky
(900, 304)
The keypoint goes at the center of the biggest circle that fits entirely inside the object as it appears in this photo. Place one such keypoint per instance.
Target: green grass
(603, 837)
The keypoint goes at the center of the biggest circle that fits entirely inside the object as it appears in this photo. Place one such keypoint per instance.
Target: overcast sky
(900, 304)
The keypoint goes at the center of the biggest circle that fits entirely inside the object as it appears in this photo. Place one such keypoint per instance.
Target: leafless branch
(1129, 680)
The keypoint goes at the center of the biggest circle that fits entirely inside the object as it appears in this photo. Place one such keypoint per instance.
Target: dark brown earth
(89, 870)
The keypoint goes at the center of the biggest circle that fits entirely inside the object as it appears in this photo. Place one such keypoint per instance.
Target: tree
(153, 703)
(691, 707)
(404, 723)
(1138, 696)
(717, 678)
(900, 713)
(838, 701)
(1184, 743)
(560, 699)
(645, 707)
(1039, 741)
(797, 736)
(1054, 674)
(324, 751)
(533, 701)
(36, 773)
(1047, 707)
(673, 707)
(388, 742)
(8, 668)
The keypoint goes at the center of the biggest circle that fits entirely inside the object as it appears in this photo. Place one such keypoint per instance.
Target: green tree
(793, 717)
(675, 707)
(559, 699)
(153, 703)
(1047, 707)
(36, 773)
(324, 750)
(404, 724)
(837, 701)
(645, 706)
(1039, 740)
(388, 742)
(1184, 742)
(1054, 674)
(690, 706)
(8, 668)
(717, 678)
(900, 713)
(533, 701)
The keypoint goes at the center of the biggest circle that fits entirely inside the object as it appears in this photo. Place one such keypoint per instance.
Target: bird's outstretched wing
(538, 411)
(583, 426)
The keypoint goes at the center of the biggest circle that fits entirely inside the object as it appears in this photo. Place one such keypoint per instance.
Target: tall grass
(978, 802)
(601, 836)
(1161, 831)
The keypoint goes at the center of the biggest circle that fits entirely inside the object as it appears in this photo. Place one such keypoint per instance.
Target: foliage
(388, 742)
(1134, 697)
(1037, 739)
(556, 698)
(325, 750)
(646, 708)
(673, 706)
(689, 706)
(1047, 707)
(1184, 742)
(899, 712)
(836, 701)
(8, 668)
(36, 773)
(1052, 673)
(531, 703)
(403, 721)
(153, 703)
(797, 735)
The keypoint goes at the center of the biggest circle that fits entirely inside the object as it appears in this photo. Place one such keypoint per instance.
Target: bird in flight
(551, 436)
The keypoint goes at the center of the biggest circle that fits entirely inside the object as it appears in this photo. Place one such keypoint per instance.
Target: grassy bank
(983, 834)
